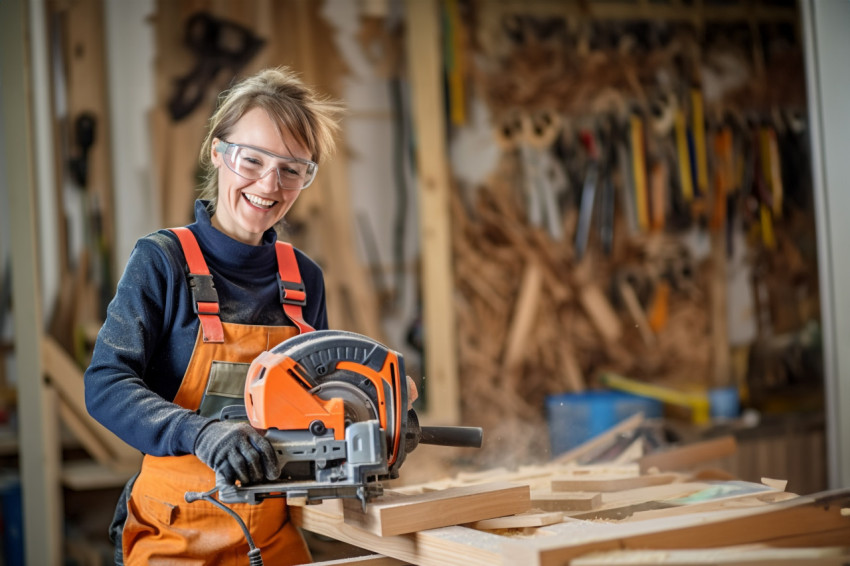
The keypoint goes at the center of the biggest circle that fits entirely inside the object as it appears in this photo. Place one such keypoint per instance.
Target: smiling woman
(268, 122)
(194, 307)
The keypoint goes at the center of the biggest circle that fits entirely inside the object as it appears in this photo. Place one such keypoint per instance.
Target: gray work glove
(236, 451)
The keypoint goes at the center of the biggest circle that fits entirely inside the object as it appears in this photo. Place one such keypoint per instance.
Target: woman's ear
(215, 156)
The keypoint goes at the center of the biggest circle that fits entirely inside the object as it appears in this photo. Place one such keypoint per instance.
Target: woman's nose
(271, 180)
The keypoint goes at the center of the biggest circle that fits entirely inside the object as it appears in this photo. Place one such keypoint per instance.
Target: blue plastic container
(576, 417)
(11, 519)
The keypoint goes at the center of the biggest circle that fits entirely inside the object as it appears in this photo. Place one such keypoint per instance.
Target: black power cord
(254, 556)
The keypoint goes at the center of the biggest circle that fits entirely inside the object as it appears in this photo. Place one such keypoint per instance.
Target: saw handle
(461, 436)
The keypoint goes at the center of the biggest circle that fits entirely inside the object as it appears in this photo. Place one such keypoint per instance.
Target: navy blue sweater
(144, 346)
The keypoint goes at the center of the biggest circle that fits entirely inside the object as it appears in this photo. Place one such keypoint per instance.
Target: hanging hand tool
(700, 151)
(217, 45)
(638, 153)
(683, 158)
(612, 131)
(544, 177)
(588, 192)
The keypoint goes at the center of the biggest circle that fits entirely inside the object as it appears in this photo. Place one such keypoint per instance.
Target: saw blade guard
(335, 377)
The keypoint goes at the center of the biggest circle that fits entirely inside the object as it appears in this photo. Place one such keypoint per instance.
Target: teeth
(257, 201)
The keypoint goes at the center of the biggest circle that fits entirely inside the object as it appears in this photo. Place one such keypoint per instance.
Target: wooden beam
(600, 440)
(425, 69)
(370, 560)
(64, 375)
(579, 501)
(608, 483)
(395, 514)
(23, 66)
(690, 455)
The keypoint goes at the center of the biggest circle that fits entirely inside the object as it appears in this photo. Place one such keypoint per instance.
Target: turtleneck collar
(225, 253)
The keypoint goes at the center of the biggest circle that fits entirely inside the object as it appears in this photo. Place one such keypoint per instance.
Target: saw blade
(359, 406)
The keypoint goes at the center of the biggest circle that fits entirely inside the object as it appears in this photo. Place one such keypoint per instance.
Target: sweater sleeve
(139, 318)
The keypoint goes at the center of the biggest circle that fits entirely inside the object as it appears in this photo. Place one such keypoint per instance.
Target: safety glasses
(254, 163)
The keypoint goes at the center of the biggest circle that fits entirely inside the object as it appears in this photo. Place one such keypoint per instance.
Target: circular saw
(334, 405)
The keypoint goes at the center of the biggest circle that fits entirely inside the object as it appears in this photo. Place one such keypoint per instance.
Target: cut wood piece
(600, 440)
(719, 504)
(532, 518)
(395, 514)
(689, 456)
(577, 501)
(775, 484)
(600, 311)
(610, 483)
(803, 521)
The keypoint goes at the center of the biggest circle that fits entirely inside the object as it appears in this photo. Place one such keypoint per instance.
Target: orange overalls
(161, 528)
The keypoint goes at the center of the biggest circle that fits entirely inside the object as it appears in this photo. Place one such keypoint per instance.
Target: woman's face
(247, 208)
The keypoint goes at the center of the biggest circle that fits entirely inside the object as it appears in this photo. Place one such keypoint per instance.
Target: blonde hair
(311, 119)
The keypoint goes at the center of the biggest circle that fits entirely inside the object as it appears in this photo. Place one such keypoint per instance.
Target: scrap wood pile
(581, 509)
(635, 177)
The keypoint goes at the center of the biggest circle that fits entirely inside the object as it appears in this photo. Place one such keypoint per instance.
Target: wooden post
(424, 66)
(38, 436)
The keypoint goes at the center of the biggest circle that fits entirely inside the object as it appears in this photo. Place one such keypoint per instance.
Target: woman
(194, 306)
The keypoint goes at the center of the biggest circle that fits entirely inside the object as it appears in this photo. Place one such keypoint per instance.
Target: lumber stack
(666, 507)
(532, 322)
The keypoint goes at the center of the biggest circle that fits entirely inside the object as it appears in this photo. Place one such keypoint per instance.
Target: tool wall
(647, 211)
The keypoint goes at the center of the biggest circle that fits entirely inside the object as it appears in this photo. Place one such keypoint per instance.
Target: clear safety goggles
(254, 163)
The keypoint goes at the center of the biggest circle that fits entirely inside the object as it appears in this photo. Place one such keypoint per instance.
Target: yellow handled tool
(698, 403)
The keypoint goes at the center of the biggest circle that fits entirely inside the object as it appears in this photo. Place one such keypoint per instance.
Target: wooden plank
(611, 483)
(433, 547)
(532, 518)
(601, 313)
(87, 93)
(524, 315)
(425, 67)
(723, 503)
(746, 555)
(82, 475)
(796, 519)
(67, 378)
(579, 501)
(395, 514)
(690, 455)
(371, 560)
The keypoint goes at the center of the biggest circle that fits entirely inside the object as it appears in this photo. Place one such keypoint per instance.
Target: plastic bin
(11, 521)
(576, 417)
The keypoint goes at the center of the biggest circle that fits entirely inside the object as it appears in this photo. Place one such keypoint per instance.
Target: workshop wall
(648, 212)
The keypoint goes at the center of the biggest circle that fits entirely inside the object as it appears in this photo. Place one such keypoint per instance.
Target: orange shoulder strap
(204, 295)
(293, 295)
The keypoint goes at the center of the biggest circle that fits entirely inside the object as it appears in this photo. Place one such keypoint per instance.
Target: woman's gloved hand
(236, 451)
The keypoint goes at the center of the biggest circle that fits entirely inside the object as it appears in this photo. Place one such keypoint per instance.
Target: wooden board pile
(663, 508)
(532, 323)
